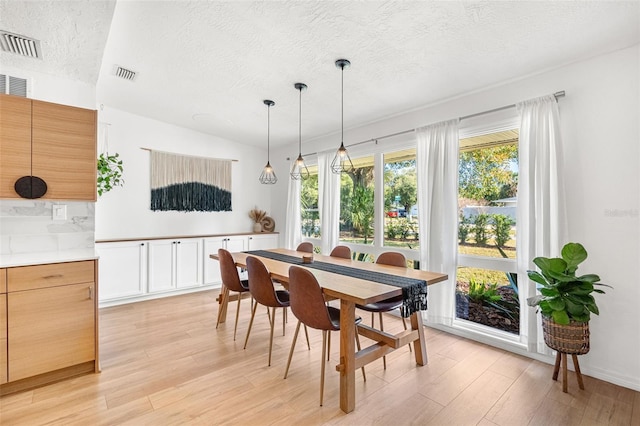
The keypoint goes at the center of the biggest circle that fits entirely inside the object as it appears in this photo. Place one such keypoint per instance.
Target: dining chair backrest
(306, 247)
(392, 258)
(229, 272)
(307, 301)
(260, 283)
(341, 251)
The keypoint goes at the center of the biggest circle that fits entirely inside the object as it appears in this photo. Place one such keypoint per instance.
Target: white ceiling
(217, 60)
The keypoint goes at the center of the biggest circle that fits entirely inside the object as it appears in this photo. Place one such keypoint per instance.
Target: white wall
(49, 88)
(600, 127)
(124, 212)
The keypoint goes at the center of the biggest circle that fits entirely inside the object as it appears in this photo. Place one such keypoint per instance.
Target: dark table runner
(414, 291)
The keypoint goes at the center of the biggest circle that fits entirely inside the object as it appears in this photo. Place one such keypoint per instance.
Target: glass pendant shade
(268, 176)
(342, 162)
(299, 170)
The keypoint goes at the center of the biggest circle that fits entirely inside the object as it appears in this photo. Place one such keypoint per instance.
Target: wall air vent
(20, 45)
(13, 85)
(127, 74)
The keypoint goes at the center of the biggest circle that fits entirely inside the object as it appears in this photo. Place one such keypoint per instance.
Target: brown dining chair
(264, 293)
(231, 281)
(393, 259)
(306, 247)
(343, 252)
(308, 305)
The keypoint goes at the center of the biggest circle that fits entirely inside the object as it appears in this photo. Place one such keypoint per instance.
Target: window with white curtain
(487, 285)
(401, 200)
(309, 212)
(357, 201)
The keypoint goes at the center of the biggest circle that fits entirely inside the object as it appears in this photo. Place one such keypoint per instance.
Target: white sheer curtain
(293, 225)
(437, 168)
(540, 212)
(328, 202)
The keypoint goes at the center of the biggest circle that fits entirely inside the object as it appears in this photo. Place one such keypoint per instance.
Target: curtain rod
(556, 95)
(187, 155)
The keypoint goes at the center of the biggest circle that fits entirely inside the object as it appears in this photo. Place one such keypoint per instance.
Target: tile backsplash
(28, 226)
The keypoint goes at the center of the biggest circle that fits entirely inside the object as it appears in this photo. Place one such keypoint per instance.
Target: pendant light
(268, 176)
(299, 169)
(342, 162)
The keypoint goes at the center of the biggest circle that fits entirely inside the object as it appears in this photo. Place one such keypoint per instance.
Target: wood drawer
(50, 275)
(3, 280)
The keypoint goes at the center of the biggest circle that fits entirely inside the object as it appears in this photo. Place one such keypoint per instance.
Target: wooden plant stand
(561, 356)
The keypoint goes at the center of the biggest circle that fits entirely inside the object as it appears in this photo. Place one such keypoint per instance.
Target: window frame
(476, 126)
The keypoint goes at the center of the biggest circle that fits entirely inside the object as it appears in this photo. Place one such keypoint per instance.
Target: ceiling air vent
(121, 72)
(20, 45)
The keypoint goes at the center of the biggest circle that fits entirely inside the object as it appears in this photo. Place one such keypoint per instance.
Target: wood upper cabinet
(64, 150)
(15, 142)
(54, 142)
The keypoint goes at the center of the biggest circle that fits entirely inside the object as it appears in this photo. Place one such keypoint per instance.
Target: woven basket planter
(569, 339)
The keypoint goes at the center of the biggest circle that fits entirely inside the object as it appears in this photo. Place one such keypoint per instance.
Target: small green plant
(464, 228)
(487, 294)
(501, 225)
(110, 171)
(399, 227)
(563, 295)
(483, 293)
(480, 228)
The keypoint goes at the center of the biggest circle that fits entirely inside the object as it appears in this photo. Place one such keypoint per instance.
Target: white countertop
(38, 258)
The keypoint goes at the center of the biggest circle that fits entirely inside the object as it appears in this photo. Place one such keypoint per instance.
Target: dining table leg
(420, 345)
(347, 356)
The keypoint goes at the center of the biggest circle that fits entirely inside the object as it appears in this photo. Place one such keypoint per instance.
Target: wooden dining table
(352, 291)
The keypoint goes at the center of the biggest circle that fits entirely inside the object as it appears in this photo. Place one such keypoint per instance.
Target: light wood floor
(164, 362)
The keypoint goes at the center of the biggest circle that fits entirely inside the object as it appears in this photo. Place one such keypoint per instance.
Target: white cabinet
(123, 269)
(174, 264)
(232, 243)
(263, 242)
(161, 265)
(188, 262)
(146, 269)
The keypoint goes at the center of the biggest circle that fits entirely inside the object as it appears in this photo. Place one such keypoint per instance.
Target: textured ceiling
(72, 35)
(208, 65)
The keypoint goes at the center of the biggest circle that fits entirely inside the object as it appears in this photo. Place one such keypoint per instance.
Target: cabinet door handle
(91, 293)
(179, 242)
(141, 244)
(48, 277)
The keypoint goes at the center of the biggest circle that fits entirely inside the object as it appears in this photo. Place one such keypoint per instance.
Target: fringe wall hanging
(187, 183)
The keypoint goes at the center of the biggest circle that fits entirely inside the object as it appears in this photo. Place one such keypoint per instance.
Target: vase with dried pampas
(257, 216)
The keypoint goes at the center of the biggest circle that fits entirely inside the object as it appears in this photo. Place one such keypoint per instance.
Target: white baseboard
(151, 296)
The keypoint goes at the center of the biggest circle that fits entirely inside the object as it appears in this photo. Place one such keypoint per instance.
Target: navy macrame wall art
(188, 183)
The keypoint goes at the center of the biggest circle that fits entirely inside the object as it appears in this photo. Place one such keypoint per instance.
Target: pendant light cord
(342, 108)
(268, 132)
(300, 124)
